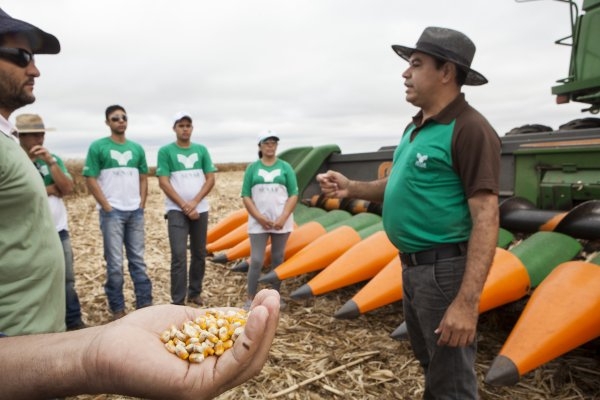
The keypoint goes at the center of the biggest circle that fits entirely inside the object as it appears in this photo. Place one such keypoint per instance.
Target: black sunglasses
(117, 118)
(20, 57)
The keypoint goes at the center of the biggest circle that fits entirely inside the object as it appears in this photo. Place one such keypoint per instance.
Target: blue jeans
(428, 291)
(124, 228)
(73, 310)
(180, 227)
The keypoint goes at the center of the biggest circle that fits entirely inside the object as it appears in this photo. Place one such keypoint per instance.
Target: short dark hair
(112, 109)
(461, 74)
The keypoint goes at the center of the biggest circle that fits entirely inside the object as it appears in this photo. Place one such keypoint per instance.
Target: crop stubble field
(314, 356)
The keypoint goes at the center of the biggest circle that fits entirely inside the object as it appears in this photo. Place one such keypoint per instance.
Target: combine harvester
(549, 189)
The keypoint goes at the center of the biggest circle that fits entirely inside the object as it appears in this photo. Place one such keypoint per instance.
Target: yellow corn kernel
(170, 346)
(165, 336)
(190, 331)
(228, 344)
(181, 352)
(222, 322)
(196, 358)
(173, 330)
(224, 333)
(209, 351)
(212, 337)
(201, 321)
(219, 348)
(180, 336)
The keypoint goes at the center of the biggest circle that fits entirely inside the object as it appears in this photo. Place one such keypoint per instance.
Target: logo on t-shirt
(43, 170)
(188, 162)
(269, 176)
(121, 158)
(421, 160)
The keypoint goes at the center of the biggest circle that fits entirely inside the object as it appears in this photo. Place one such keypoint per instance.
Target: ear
(448, 72)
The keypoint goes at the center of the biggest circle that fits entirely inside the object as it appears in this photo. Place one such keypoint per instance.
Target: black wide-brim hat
(449, 45)
(41, 42)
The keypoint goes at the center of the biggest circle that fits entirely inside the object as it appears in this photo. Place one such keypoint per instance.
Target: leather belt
(432, 255)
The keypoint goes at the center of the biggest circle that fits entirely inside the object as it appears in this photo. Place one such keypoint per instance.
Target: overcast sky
(315, 71)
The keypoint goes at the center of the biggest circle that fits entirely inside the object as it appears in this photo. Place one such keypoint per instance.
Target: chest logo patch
(121, 158)
(269, 176)
(421, 160)
(43, 170)
(189, 161)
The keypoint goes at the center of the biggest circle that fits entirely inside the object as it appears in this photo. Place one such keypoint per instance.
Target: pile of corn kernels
(207, 335)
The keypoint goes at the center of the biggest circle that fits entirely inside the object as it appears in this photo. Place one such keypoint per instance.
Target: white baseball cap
(268, 134)
(179, 116)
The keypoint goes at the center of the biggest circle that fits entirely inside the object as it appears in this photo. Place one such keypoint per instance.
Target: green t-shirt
(269, 186)
(32, 266)
(57, 205)
(118, 168)
(452, 156)
(424, 203)
(45, 170)
(186, 168)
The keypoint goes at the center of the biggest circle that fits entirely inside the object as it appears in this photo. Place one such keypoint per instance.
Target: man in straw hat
(58, 183)
(101, 359)
(440, 209)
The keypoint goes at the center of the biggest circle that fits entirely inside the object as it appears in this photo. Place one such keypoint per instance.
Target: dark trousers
(73, 308)
(428, 291)
(180, 227)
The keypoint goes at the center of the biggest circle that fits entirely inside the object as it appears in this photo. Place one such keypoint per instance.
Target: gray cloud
(317, 72)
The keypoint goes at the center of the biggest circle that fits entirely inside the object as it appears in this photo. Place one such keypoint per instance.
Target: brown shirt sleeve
(476, 150)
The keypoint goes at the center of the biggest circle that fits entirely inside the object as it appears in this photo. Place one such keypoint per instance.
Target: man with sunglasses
(32, 295)
(117, 176)
(32, 268)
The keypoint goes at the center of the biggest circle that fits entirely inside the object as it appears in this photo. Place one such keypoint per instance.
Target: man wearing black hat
(440, 209)
(32, 269)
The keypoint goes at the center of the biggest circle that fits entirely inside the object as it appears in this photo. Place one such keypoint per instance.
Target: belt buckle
(410, 259)
(413, 259)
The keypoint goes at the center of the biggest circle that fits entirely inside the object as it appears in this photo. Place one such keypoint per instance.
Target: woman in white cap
(269, 193)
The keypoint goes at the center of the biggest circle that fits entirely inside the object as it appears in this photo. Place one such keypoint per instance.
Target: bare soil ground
(347, 359)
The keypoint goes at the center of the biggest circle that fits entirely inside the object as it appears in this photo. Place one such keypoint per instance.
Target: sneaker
(247, 305)
(118, 314)
(197, 300)
(76, 326)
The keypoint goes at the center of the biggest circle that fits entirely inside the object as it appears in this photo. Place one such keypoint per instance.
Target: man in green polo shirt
(440, 209)
(32, 268)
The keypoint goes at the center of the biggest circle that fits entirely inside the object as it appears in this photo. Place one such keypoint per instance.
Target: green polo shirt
(436, 167)
(32, 266)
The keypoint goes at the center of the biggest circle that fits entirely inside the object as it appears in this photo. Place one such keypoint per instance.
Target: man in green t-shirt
(185, 174)
(59, 183)
(117, 176)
